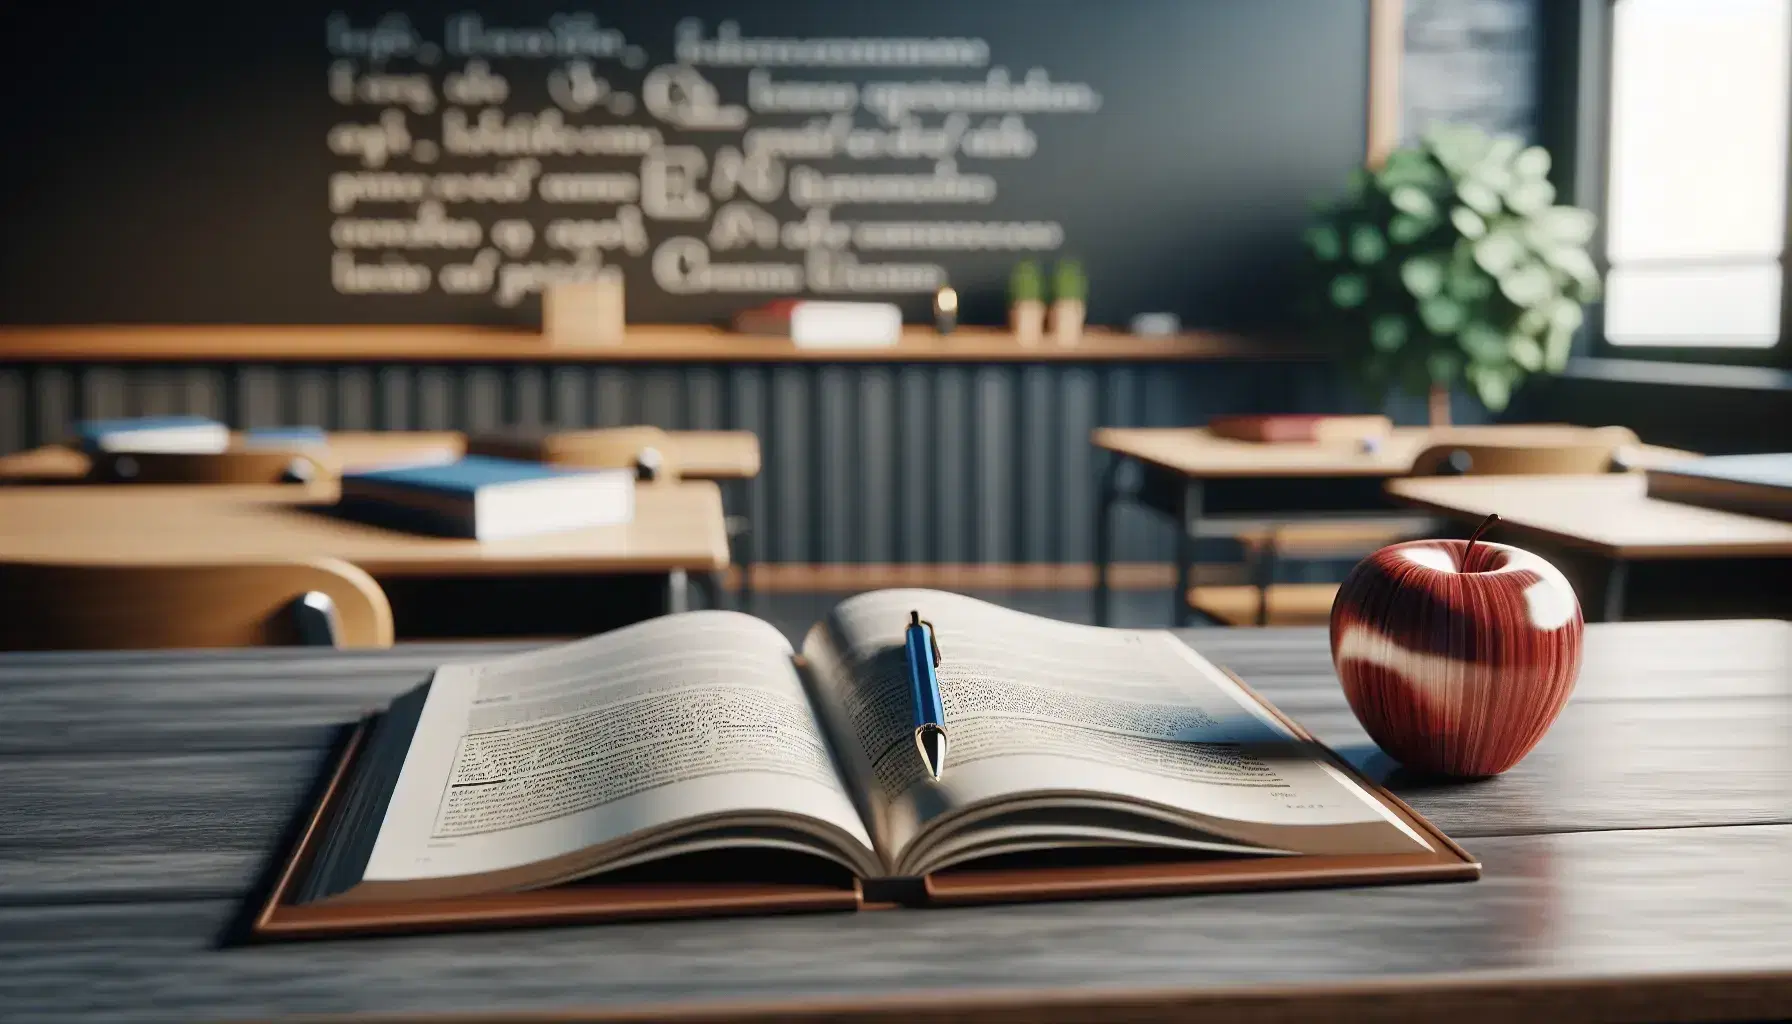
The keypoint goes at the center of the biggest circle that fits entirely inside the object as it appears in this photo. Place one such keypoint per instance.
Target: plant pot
(1026, 319)
(1067, 321)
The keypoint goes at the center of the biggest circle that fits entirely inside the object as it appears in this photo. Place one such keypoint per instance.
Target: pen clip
(933, 635)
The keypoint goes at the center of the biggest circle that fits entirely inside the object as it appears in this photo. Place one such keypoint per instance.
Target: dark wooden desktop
(1638, 867)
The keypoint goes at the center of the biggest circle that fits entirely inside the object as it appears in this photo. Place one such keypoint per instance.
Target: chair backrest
(257, 467)
(1598, 454)
(62, 606)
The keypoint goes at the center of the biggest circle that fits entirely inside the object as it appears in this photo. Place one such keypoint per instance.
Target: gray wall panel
(863, 462)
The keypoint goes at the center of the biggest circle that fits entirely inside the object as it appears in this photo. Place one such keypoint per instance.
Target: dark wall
(189, 167)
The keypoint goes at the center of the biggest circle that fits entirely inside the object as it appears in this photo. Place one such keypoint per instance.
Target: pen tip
(931, 740)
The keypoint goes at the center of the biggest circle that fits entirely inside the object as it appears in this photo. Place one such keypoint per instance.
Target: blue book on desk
(1759, 485)
(261, 438)
(180, 434)
(490, 499)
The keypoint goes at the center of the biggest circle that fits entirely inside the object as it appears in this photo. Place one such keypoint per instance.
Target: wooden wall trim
(1387, 46)
(643, 344)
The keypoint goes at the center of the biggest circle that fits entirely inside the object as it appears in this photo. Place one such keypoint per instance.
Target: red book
(824, 324)
(1300, 428)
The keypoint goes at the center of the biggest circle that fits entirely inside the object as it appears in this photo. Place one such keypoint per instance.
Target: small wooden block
(585, 312)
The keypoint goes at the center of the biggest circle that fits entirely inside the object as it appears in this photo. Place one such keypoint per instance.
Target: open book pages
(702, 731)
(1065, 735)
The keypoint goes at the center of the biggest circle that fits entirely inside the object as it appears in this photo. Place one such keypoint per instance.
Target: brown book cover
(1300, 428)
(712, 892)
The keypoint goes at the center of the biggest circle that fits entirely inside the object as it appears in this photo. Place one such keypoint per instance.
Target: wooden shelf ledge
(644, 344)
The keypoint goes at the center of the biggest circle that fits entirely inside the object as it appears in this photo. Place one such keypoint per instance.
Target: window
(1697, 150)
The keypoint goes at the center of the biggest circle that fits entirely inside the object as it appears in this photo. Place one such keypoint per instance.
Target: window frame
(1574, 106)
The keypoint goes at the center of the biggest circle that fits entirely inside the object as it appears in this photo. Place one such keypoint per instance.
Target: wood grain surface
(644, 343)
(701, 454)
(1645, 848)
(676, 527)
(1610, 515)
(1196, 452)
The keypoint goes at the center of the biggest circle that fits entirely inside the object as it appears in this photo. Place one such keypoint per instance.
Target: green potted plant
(1070, 292)
(1451, 265)
(1026, 302)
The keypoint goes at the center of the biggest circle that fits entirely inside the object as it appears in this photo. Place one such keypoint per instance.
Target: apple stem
(1473, 538)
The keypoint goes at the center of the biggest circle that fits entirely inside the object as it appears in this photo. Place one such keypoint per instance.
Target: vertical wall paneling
(393, 405)
(1037, 476)
(528, 397)
(435, 398)
(354, 398)
(51, 400)
(571, 411)
(791, 459)
(704, 407)
(257, 396)
(14, 422)
(950, 484)
(916, 487)
(1078, 408)
(876, 480)
(610, 398)
(483, 395)
(311, 396)
(993, 475)
(746, 404)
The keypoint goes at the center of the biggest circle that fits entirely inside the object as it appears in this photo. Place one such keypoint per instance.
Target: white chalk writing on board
(478, 158)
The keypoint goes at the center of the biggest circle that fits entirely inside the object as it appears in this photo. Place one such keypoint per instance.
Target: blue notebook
(285, 437)
(489, 499)
(153, 434)
(1757, 485)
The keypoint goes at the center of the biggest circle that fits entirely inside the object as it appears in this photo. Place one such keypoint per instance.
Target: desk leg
(746, 543)
(678, 592)
(1617, 576)
(1188, 528)
(1108, 493)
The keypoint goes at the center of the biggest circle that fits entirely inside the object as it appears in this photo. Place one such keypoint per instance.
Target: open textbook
(706, 731)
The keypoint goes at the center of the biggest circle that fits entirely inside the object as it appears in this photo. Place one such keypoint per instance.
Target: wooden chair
(317, 602)
(1266, 603)
(256, 467)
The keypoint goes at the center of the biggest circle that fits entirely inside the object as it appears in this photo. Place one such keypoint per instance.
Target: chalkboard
(314, 163)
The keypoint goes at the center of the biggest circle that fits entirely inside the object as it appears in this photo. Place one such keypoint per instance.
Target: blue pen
(930, 713)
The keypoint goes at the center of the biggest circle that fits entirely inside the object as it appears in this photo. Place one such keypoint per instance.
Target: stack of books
(489, 499)
(176, 434)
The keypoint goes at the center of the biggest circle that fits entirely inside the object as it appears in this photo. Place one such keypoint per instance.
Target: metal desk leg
(1105, 497)
(1617, 575)
(678, 592)
(745, 542)
(1264, 573)
(1188, 528)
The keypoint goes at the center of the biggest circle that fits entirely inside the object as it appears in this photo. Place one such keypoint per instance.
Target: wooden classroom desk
(1638, 866)
(1176, 462)
(701, 454)
(1610, 516)
(678, 530)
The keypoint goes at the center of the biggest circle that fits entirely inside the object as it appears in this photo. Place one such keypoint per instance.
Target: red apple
(1456, 668)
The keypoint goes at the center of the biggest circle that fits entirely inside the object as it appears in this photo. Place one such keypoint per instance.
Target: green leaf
(1366, 244)
(1357, 184)
(1323, 240)
(1527, 353)
(1527, 285)
(1484, 345)
(1349, 290)
(1422, 275)
(1492, 387)
(1573, 262)
(1469, 284)
(1414, 200)
(1501, 150)
(1532, 163)
(1499, 252)
(1479, 197)
(1529, 197)
(1468, 222)
(1566, 315)
(1533, 321)
(1556, 347)
(1388, 332)
(1443, 367)
(1442, 315)
(1565, 225)
(1405, 230)
(1458, 147)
